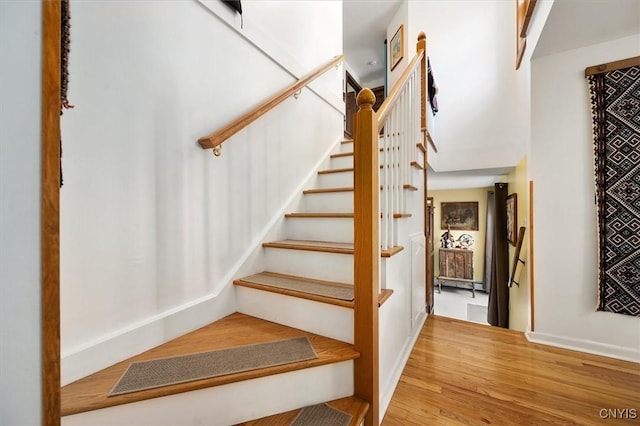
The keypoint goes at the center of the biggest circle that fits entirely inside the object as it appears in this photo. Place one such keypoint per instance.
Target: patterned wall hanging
(615, 103)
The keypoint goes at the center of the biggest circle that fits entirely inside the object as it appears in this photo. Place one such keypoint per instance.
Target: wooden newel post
(421, 46)
(366, 254)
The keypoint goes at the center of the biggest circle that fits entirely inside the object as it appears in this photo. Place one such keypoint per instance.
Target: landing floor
(462, 373)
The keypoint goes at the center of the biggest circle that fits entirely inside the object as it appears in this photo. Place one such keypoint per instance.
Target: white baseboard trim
(386, 393)
(582, 345)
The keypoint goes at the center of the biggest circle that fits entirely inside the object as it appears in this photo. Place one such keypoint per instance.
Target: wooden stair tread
(272, 282)
(348, 189)
(329, 171)
(268, 281)
(91, 392)
(351, 405)
(325, 246)
(341, 154)
(327, 190)
(321, 215)
(400, 215)
(314, 215)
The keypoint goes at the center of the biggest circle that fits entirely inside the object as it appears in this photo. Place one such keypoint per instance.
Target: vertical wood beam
(421, 45)
(367, 254)
(530, 255)
(50, 213)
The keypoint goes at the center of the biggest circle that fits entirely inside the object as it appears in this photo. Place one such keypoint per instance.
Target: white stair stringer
(231, 403)
(327, 320)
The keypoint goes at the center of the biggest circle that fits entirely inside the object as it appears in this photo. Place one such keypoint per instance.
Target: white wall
(400, 18)
(153, 228)
(471, 45)
(561, 166)
(20, 347)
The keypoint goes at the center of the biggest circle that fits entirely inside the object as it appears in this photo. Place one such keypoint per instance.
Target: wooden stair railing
(394, 96)
(215, 139)
(367, 210)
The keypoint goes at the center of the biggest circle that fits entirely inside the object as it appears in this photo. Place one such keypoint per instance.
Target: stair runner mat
(308, 287)
(321, 415)
(186, 368)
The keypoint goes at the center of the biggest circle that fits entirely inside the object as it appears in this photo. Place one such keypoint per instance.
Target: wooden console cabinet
(456, 265)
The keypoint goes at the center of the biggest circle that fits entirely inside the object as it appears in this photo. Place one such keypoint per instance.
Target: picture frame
(461, 216)
(396, 48)
(512, 219)
(430, 202)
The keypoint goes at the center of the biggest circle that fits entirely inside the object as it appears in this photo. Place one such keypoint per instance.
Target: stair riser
(335, 180)
(320, 318)
(320, 229)
(318, 265)
(346, 147)
(229, 404)
(330, 202)
(341, 162)
(347, 161)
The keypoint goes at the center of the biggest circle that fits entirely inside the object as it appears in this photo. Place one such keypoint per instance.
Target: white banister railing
(402, 130)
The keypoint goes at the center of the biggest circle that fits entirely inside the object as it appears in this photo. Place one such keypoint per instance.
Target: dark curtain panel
(498, 312)
(234, 4)
(488, 242)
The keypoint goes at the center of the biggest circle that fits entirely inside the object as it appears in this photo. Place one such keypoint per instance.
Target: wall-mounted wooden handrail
(394, 95)
(218, 137)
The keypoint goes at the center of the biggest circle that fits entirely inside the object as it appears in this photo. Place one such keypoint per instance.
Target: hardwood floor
(462, 373)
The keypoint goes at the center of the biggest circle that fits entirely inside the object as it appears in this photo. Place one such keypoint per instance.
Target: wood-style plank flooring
(461, 373)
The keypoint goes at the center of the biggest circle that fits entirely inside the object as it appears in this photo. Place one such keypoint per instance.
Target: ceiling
(482, 178)
(571, 24)
(372, 17)
(366, 17)
(592, 22)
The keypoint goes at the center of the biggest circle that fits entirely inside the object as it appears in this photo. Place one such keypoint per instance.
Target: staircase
(306, 290)
(318, 255)
(315, 284)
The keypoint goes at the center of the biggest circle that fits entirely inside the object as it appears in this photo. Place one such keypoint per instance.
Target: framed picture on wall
(396, 48)
(461, 216)
(512, 219)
